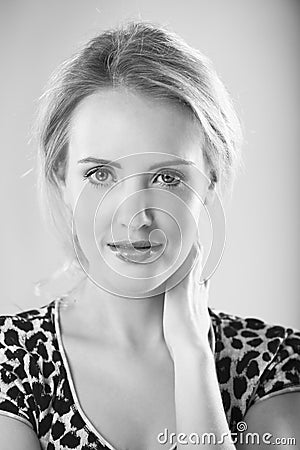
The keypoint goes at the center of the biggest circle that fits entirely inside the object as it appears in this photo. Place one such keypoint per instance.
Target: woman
(136, 134)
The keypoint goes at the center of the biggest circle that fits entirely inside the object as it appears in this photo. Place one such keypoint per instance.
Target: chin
(128, 279)
(131, 283)
(137, 289)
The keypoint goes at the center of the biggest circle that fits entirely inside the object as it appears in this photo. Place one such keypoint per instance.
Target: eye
(169, 179)
(99, 176)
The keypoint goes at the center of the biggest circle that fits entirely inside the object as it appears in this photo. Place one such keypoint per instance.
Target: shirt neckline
(71, 383)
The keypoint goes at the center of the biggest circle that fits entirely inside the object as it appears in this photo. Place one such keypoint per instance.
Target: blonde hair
(146, 58)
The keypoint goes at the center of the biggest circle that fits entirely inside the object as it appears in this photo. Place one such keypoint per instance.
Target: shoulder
(24, 336)
(254, 360)
(238, 336)
(24, 329)
(26, 359)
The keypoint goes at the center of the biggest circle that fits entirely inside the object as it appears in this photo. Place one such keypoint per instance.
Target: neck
(123, 322)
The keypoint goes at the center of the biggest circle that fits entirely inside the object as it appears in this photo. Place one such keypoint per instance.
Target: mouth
(140, 245)
(135, 252)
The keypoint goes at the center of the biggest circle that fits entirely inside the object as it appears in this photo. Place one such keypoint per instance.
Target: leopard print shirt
(254, 360)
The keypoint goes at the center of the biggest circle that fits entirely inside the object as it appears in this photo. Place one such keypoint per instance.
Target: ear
(66, 196)
(61, 178)
(210, 194)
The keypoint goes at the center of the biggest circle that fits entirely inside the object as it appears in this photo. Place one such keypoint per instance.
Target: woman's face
(135, 173)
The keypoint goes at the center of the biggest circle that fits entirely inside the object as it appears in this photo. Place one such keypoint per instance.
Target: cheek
(183, 215)
(89, 215)
(179, 226)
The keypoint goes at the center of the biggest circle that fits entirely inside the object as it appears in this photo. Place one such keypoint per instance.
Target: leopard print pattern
(254, 360)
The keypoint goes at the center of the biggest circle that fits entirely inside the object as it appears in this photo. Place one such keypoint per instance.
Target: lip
(127, 252)
(140, 245)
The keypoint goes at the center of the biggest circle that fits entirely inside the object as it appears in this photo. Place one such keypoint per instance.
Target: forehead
(115, 123)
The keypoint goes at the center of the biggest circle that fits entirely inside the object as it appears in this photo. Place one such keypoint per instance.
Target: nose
(133, 211)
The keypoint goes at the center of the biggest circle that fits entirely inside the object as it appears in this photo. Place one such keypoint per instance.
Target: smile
(135, 252)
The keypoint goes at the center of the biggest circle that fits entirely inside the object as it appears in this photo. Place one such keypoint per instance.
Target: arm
(271, 418)
(16, 435)
(198, 402)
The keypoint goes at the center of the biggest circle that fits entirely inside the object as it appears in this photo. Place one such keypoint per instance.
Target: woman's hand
(186, 320)
(186, 323)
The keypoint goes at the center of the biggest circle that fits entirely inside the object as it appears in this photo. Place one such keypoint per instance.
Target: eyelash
(178, 177)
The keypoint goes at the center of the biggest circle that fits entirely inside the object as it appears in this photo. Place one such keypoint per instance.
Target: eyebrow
(174, 162)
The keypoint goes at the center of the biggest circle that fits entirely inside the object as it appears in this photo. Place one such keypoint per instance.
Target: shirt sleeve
(282, 374)
(16, 393)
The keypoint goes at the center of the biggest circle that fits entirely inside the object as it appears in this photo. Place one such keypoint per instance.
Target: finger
(200, 300)
(194, 288)
(181, 275)
(188, 272)
(197, 269)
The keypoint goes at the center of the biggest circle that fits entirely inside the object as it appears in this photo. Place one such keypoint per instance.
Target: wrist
(192, 353)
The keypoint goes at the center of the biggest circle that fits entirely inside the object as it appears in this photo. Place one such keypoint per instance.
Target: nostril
(138, 219)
